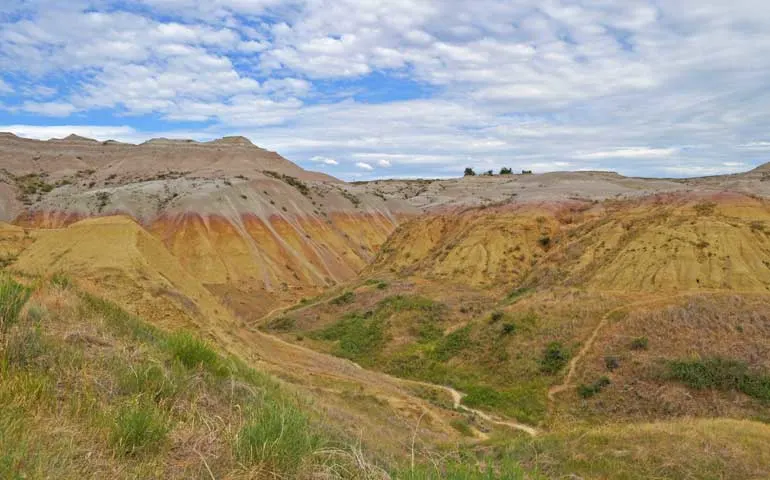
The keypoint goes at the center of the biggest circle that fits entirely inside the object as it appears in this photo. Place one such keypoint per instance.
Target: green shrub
(13, 297)
(509, 328)
(282, 324)
(277, 435)
(193, 352)
(496, 316)
(588, 391)
(554, 358)
(516, 295)
(640, 343)
(138, 429)
(720, 374)
(611, 363)
(343, 299)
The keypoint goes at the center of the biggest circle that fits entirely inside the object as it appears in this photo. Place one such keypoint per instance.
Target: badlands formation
(583, 324)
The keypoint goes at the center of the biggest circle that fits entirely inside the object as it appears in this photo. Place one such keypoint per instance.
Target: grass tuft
(138, 429)
(193, 352)
(278, 435)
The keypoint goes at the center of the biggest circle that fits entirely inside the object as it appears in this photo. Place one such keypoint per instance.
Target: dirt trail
(572, 366)
(318, 360)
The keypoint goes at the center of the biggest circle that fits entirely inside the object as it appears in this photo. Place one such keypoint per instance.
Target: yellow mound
(482, 247)
(658, 244)
(118, 258)
(681, 246)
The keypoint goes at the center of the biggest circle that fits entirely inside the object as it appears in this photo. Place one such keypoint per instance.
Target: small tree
(526, 172)
(489, 173)
(469, 172)
(506, 171)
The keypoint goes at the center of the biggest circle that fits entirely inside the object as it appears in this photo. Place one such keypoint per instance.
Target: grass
(720, 374)
(279, 435)
(138, 429)
(452, 344)
(359, 336)
(193, 352)
(685, 449)
(13, 297)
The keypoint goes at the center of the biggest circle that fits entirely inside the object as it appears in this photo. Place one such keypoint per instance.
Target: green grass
(279, 435)
(138, 429)
(13, 296)
(192, 352)
(452, 344)
(524, 402)
(720, 374)
(359, 336)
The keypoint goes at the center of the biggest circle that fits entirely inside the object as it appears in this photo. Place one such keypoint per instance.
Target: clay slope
(659, 243)
(253, 227)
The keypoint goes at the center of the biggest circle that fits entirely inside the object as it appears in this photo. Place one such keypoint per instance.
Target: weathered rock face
(247, 223)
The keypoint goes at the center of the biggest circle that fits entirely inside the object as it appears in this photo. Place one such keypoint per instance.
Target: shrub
(509, 328)
(343, 299)
(278, 436)
(544, 241)
(720, 374)
(554, 358)
(640, 343)
(193, 352)
(469, 172)
(496, 316)
(588, 391)
(611, 363)
(282, 324)
(506, 171)
(139, 428)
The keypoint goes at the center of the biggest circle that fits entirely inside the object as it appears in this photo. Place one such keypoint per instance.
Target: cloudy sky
(390, 88)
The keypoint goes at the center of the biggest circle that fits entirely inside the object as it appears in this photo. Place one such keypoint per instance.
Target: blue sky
(404, 88)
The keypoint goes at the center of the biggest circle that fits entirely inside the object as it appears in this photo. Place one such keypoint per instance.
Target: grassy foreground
(90, 391)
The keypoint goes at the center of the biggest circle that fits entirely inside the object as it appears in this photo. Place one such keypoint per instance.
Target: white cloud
(122, 133)
(324, 160)
(364, 166)
(556, 84)
(631, 152)
(49, 109)
(755, 146)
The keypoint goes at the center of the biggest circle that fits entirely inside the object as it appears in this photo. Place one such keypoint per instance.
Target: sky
(365, 89)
